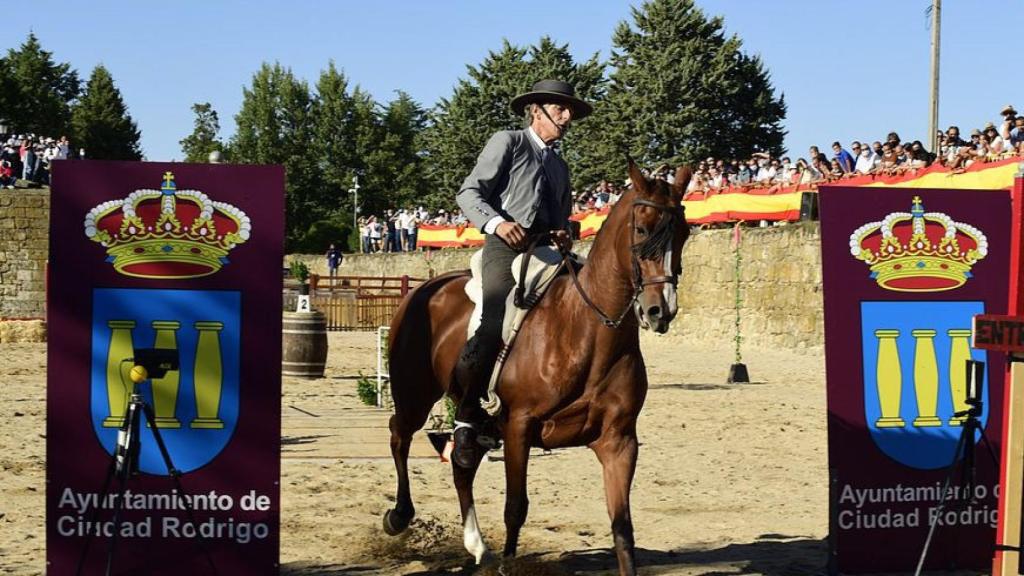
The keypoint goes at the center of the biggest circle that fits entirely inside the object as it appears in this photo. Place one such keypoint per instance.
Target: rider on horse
(519, 189)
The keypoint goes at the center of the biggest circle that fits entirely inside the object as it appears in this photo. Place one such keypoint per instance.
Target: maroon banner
(165, 303)
(904, 273)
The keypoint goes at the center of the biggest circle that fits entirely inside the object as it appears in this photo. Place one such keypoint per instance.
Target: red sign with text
(164, 311)
(905, 271)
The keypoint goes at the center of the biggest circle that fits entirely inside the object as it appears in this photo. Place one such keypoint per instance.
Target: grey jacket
(507, 181)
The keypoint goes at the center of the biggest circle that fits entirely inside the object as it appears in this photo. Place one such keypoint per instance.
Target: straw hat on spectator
(1008, 109)
(989, 126)
(975, 132)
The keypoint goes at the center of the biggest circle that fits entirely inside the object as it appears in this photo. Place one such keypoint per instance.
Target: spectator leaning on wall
(846, 161)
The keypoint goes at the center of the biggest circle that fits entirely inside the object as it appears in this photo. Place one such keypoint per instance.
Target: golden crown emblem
(167, 233)
(919, 251)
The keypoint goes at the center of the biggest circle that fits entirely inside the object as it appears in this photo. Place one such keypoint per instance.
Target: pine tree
(37, 92)
(393, 171)
(680, 90)
(479, 106)
(334, 136)
(203, 139)
(101, 123)
(274, 126)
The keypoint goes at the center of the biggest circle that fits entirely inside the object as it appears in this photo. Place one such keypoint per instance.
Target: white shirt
(765, 174)
(865, 162)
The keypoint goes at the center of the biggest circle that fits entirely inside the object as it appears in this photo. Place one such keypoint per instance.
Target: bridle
(650, 248)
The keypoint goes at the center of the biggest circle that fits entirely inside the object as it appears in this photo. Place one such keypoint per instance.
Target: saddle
(534, 271)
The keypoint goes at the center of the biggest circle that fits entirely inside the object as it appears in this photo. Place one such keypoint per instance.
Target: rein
(649, 249)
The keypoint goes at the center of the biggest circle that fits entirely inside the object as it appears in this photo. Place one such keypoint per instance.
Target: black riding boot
(473, 371)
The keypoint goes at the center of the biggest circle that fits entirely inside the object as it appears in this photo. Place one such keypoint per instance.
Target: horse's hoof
(395, 524)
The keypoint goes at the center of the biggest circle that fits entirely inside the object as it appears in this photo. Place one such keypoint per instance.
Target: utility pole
(934, 117)
(354, 190)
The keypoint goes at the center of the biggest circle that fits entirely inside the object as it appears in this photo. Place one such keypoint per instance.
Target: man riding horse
(519, 189)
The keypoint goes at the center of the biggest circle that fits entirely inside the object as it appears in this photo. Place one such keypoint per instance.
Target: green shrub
(449, 411)
(366, 389)
(299, 270)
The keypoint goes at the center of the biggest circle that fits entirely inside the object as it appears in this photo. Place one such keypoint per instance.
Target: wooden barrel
(304, 341)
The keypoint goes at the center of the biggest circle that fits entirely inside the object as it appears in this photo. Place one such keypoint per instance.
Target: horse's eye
(641, 232)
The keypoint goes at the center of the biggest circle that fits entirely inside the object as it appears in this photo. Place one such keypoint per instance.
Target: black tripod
(124, 462)
(971, 426)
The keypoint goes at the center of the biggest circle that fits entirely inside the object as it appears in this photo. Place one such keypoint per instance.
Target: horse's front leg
(617, 452)
(517, 455)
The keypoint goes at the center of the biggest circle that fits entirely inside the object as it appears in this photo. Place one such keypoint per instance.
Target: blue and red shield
(915, 357)
(196, 406)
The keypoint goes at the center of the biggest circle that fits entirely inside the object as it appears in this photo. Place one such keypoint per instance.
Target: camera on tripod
(975, 381)
(147, 363)
(154, 362)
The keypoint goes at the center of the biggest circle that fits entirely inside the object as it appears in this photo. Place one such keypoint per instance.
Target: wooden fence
(354, 302)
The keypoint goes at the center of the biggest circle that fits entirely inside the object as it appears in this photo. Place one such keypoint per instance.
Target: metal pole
(354, 190)
(934, 112)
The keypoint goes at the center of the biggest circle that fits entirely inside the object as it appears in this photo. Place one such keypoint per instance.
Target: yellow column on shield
(926, 379)
(208, 376)
(165, 390)
(120, 349)
(889, 379)
(959, 354)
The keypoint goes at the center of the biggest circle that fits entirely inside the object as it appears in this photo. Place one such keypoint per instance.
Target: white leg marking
(471, 537)
(668, 290)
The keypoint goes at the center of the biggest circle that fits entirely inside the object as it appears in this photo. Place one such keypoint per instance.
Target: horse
(575, 375)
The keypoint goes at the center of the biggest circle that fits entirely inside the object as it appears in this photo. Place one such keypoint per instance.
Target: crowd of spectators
(888, 157)
(27, 157)
(396, 230)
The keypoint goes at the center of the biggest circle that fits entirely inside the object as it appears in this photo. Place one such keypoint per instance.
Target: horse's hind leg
(472, 539)
(404, 423)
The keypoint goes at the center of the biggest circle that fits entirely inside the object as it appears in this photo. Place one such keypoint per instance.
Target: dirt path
(731, 478)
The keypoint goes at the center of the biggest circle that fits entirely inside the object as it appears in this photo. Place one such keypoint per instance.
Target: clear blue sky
(849, 70)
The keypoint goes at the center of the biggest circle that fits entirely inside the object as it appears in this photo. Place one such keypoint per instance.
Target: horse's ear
(636, 176)
(681, 182)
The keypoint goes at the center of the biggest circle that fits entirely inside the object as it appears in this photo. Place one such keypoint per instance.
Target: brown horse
(575, 376)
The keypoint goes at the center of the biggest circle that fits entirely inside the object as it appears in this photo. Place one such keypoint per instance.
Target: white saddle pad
(541, 270)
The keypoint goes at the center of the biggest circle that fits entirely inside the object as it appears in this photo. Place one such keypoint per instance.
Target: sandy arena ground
(731, 478)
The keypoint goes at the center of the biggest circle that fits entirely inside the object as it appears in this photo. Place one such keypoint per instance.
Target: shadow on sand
(769, 555)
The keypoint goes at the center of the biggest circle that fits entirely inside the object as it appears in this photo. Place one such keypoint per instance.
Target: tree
(680, 90)
(479, 106)
(391, 159)
(101, 123)
(334, 138)
(274, 126)
(203, 139)
(37, 92)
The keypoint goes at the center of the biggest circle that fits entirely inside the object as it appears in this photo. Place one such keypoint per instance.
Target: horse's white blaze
(668, 289)
(471, 536)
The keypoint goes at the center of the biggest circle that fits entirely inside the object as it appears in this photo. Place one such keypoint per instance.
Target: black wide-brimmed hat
(547, 91)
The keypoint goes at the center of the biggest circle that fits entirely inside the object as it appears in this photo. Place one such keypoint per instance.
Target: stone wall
(780, 271)
(24, 237)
